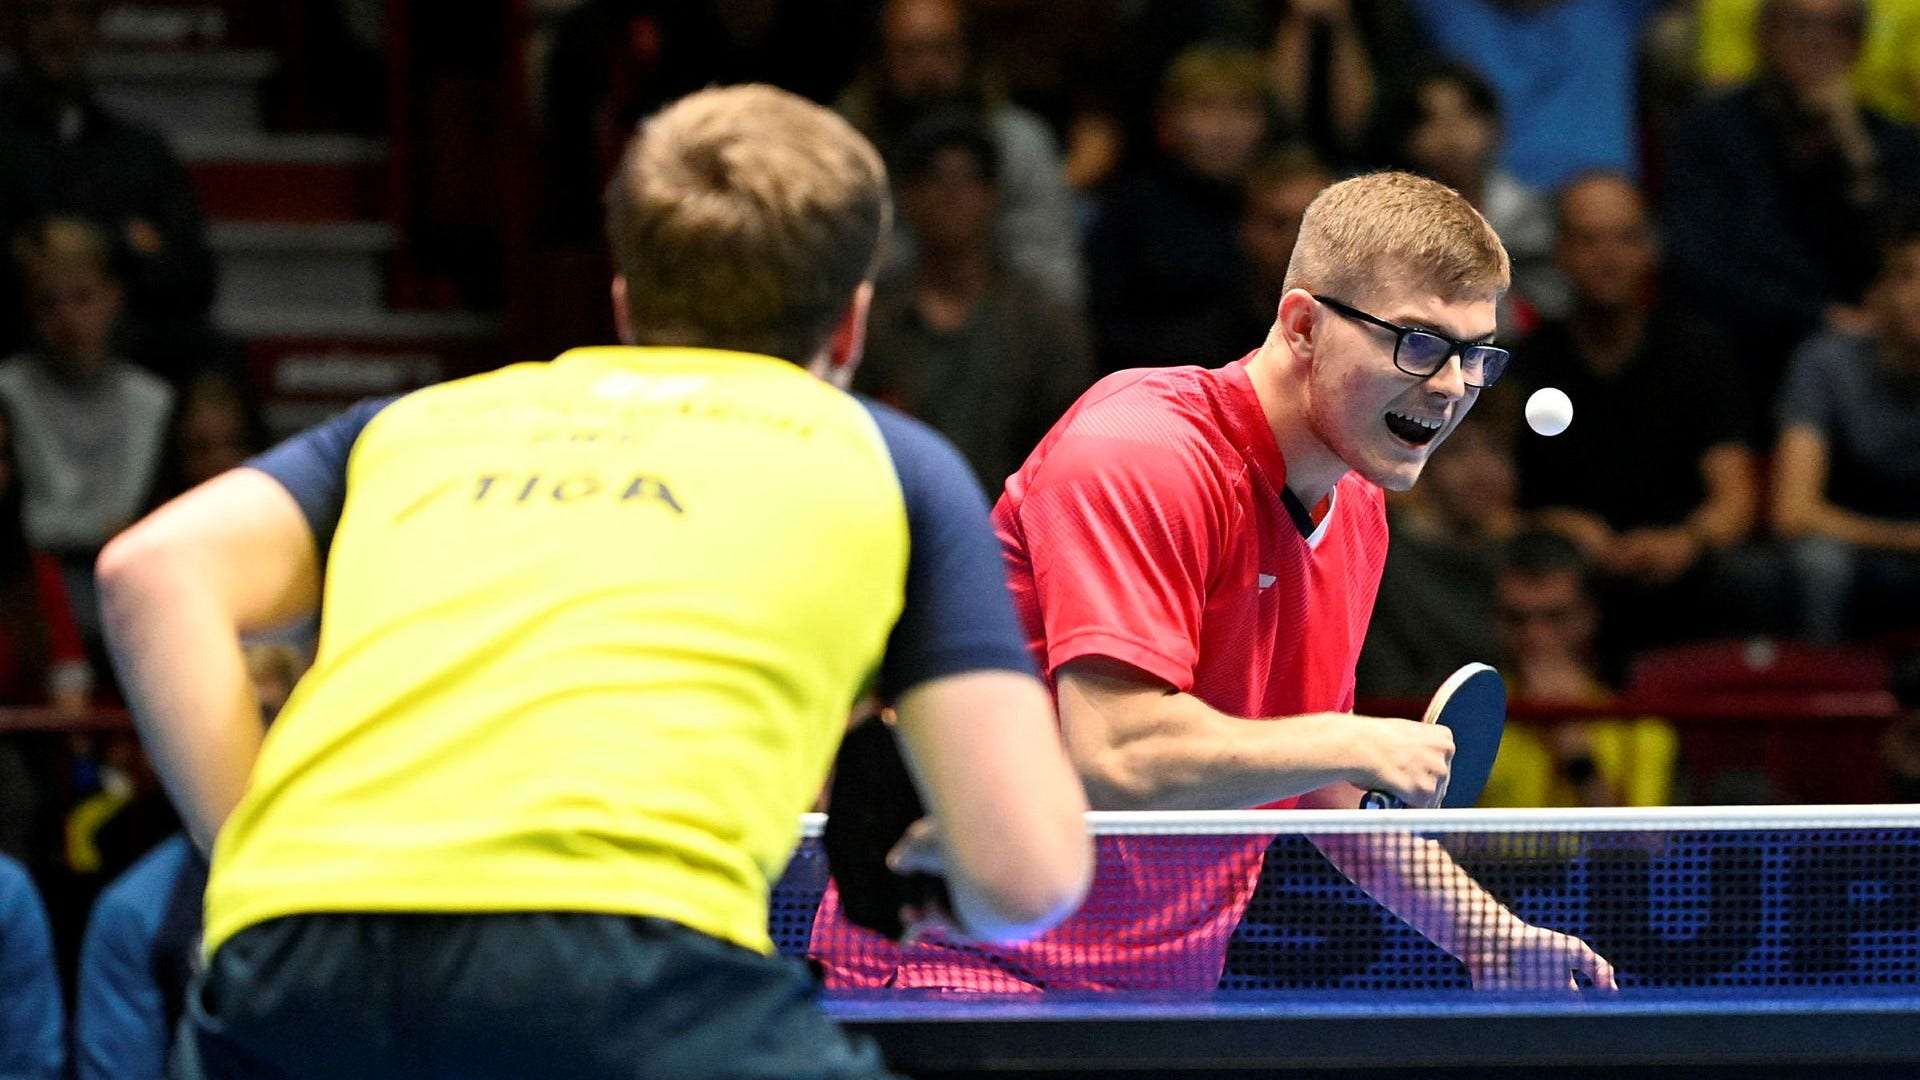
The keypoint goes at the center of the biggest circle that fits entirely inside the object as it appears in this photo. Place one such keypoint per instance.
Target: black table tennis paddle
(870, 804)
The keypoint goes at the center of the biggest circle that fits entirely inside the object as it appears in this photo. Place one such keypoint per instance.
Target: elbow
(126, 570)
(1031, 897)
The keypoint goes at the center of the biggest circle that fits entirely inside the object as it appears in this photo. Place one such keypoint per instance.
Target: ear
(622, 315)
(1298, 323)
(841, 356)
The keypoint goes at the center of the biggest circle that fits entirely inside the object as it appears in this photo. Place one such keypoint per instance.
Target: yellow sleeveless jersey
(589, 637)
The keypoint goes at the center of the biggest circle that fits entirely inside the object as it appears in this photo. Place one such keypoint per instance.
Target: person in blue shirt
(32, 1020)
(142, 938)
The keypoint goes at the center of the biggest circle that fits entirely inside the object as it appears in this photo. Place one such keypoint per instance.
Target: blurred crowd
(1710, 206)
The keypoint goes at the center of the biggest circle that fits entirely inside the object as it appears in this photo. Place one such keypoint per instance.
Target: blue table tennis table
(1851, 1034)
(1750, 942)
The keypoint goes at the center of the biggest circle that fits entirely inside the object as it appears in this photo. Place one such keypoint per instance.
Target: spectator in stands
(1548, 623)
(88, 426)
(961, 339)
(143, 938)
(1278, 191)
(1164, 248)
(604, 64)
(1846, 485)
(1777, 190)
(1725, 49)
(1655, 481)
(1450, 129)
(1564, 70)
(926, 67)
(1073, 63)
(1338, 67)
(1435, 608)
(41, 662)
(215, 428)
(63, 153)
(32, 1020)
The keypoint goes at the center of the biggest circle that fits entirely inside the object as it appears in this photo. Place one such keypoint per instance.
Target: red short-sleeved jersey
(1150, 527)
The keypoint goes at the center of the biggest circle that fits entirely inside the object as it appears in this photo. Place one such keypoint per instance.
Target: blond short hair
(744, 217)
(1397, 230)
(63, 244)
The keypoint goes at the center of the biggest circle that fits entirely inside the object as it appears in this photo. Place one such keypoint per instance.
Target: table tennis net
(1694, 898)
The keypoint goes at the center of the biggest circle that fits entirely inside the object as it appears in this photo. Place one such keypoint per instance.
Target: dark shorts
(472, 997)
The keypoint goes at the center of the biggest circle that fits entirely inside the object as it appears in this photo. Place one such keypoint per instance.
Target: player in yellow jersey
(590, 632)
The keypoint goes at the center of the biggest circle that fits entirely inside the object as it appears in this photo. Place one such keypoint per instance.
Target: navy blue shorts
(473, 997)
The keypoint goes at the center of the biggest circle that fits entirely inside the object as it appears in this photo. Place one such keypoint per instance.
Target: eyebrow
(1417, 323)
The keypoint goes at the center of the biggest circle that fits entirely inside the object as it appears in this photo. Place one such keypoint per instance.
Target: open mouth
(1418, 432)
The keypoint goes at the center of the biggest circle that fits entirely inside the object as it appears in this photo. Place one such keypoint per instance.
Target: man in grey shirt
(1846, 483)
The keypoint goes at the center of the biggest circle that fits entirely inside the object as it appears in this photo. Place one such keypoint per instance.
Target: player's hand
(1535, 958)
(923, 850)
(1408, 760)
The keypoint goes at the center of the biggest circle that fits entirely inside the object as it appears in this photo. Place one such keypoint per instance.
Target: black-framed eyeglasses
(1421, 353)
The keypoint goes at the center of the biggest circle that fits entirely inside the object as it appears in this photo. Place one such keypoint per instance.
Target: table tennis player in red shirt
(1195, 553)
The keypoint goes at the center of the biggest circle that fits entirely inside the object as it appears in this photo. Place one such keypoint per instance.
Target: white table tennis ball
(1549, 411)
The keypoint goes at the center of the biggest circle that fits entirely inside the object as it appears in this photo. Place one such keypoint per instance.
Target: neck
(1312, 467)
(75, 372)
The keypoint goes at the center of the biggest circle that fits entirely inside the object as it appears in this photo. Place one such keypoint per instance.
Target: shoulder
(933, 475)
(1148, 437)
(1833, 354)
(17, 894)
(15, 371)
(1154, 409)
(145, 388)
(907, 438)
(1020, 132)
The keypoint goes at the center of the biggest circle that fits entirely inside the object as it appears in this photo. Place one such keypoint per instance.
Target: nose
(1450, 381)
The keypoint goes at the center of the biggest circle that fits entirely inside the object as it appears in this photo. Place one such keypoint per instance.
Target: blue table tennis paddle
(1473, 703)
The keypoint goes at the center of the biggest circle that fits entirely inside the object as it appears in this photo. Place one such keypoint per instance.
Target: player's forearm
(987, 753)
(1417, 880)
(180, 664)
(1176, 753)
